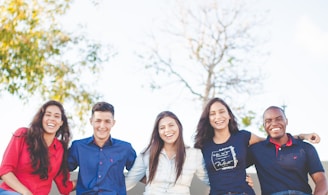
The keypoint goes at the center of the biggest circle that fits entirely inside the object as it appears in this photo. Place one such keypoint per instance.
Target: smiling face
(102, 123)
(275, 123)
(52, 120)
(219, 116)
(168, 130)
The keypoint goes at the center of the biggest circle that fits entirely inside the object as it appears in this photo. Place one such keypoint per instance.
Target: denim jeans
(6, 192)
(290, 192)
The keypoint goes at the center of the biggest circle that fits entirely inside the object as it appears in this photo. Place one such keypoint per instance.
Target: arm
(321, 184)
(137, 172)
(72, 157)
(74, 184)
(11, 180)
(144, 180)
(201, 171)
(315, 170)
(311, 137)
(255, 139)
(131, 157)
(68, 187)
(249, 180)
(13, 157)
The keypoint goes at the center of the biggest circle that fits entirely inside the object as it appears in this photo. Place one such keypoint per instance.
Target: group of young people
(40, 154)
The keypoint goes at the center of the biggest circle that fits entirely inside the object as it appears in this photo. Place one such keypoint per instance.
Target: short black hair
(103, 107)
(274, 108)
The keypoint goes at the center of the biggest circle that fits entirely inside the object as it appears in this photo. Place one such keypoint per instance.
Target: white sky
(297, 71)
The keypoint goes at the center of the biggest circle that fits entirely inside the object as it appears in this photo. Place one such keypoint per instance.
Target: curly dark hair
(37, 146)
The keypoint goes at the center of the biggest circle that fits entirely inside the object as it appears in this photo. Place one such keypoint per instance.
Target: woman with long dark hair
(36, 156)
(168, 164)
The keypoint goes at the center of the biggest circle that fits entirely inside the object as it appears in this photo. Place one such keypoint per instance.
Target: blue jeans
(290, 192)
(6, 192)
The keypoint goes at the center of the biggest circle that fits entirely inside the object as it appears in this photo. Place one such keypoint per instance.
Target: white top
(163, 182)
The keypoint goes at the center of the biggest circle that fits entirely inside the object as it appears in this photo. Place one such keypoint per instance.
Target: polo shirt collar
(290, 141)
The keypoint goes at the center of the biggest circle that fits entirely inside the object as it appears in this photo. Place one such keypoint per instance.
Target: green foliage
(38, 58)
(247, 120)
(250, 119)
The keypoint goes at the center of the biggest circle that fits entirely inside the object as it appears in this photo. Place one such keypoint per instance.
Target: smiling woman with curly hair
(37, 155)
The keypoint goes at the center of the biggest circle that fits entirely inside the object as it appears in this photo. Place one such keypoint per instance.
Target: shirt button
(99, 176)
(100, 163)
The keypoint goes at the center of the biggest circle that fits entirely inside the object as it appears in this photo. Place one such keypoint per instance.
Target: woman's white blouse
(163, 182)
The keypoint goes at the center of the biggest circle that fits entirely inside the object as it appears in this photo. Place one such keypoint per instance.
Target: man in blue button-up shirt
(101, 159)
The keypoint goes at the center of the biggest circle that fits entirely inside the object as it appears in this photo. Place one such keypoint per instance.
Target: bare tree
(209, 49)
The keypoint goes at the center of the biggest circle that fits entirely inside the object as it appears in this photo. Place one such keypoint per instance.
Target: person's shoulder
(243, 134)
(243, 131)
(20, 132)
(259, 144)
(57, 143)
(193, 151)
(81, 141)
(304, 143)
(120, 142)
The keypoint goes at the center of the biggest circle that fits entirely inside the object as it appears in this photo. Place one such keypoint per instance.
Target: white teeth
(219, 122)
(51, 125)
(275, 129)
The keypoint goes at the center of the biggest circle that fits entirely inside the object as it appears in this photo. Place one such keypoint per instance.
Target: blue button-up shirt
(101, 169)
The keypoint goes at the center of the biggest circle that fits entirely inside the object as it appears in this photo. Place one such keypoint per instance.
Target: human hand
(249, 180)
(27, 192)
(74, 184)
(312, 138)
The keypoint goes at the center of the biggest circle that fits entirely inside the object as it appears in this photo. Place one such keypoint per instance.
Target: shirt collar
(54, 144)
(290, 141)
(109, 142)
(163, 152)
